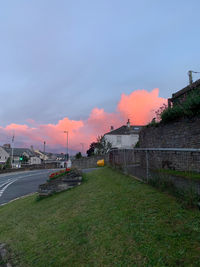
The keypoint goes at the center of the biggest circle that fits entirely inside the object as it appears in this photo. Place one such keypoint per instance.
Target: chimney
(128, 123)
(111, 128)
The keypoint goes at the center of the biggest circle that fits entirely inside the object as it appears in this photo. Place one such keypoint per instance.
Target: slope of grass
(110, 220)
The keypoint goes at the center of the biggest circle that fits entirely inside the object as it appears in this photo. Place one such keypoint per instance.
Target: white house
(18, 153)
(41, 155)
(124, 137)
(3, 155)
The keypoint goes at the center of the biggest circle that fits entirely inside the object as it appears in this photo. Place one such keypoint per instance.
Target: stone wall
(88, 162)
(184, 133)
(174, 160)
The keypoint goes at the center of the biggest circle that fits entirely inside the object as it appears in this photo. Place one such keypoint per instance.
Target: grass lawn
(110, 220)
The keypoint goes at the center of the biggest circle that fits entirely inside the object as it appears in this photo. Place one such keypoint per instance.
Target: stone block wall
(174, 160)
(88, 162)
(184, 133)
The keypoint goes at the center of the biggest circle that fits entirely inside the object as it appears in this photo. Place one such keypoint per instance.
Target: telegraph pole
(190, 76)
(67, 144)
(82, 146)
(44, 153)
(13, 138)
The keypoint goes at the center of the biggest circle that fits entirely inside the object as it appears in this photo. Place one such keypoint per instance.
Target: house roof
(19, 151)
(125, 130)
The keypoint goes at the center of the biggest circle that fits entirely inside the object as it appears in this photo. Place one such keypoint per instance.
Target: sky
(84, 65)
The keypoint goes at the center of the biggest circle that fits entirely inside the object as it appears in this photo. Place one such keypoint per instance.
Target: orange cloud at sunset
(139, 106)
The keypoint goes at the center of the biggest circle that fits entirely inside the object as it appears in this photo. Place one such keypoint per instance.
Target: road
(17, 184)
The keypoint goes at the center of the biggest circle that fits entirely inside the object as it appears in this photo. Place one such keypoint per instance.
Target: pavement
(14, 185)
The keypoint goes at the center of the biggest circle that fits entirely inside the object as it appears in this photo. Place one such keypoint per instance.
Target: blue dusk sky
(64, 58)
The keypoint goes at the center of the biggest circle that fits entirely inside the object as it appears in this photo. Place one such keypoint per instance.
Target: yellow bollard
(100, 163)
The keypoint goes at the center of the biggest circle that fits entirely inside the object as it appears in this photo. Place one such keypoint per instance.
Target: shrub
(188, 108)
(173, 113)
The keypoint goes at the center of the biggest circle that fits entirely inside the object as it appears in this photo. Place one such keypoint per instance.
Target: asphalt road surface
(17, 184)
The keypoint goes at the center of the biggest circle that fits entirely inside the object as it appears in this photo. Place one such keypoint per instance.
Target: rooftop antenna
(190, 75)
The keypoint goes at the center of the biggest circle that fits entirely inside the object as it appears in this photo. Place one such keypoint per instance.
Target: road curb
(28, 195)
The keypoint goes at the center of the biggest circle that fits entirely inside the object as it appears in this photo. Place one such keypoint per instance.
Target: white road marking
(1, 185)
(10, 181)
(4, 188)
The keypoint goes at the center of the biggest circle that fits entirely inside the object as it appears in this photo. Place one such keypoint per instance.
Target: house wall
(34, 160)
(127, 141)
(3, 155)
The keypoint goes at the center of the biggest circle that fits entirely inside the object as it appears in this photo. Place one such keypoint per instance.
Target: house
(19, 154)
(181, 95)
(124, 137)
(41, 155)
(3, 155)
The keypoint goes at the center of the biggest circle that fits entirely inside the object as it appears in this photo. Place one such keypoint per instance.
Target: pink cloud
(139, 106)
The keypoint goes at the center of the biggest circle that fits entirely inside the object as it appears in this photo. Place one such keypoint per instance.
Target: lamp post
(12, 158)
(82, 147)
(44, 153)
(67, 143)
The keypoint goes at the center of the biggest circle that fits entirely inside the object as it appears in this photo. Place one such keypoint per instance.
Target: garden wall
(88, 162)
(184, 133)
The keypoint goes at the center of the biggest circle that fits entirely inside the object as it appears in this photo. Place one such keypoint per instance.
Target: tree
(90, 151)
(102, 146)
(78, 155)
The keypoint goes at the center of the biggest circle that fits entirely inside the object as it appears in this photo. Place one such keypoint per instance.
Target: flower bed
(60, 181)
(60, 173)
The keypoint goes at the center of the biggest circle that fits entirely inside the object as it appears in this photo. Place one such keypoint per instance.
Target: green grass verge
(189, 175)
(110, 220)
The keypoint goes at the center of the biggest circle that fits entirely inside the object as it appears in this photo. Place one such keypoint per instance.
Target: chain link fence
(167, 165)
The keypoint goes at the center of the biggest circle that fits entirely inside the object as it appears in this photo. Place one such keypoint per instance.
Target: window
(119, 140)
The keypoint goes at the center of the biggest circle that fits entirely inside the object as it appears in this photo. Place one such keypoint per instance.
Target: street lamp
(67, 143)
(44, 153)
(12, 158)
(82, 147)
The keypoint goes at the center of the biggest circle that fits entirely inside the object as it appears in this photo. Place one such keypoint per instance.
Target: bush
(173, 113)
(188, 108)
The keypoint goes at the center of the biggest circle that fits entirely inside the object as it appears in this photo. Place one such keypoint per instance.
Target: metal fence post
(147, 165)
(124, 161)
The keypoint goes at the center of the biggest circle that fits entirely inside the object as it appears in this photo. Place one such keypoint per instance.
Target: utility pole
(67, 145)
(13, 138)
(44, 153)
(190, 76)
(82, 146)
